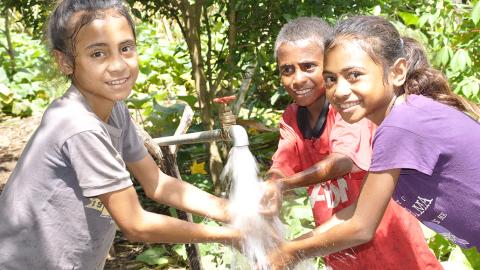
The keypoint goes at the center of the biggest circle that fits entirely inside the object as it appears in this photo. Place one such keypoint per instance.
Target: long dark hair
(382, 42)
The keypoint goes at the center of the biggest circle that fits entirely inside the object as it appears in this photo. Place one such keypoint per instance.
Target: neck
(315, 109)
(378, 118)
(100, 106)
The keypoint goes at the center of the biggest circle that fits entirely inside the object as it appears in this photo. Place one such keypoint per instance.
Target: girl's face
(355, 83)
(301, 66)
(105, 58)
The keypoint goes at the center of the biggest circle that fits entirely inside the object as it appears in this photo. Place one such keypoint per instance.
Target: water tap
(227, 118)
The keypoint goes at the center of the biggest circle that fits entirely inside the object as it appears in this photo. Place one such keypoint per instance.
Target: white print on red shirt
(334, 192)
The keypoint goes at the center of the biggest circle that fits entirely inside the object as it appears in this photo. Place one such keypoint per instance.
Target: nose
(342, 90)
(299, 79)
(117, 63)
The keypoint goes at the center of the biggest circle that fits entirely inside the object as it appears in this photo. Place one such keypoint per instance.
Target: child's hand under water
(271, 200)
(281, 259)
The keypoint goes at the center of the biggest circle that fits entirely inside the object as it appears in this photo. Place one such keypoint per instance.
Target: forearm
(151, 227)
(184, 196)
(333, 166)
(322, 241)
(336, 219)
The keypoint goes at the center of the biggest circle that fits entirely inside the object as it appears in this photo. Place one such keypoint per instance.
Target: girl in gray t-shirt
(71, 185)
(426, 148)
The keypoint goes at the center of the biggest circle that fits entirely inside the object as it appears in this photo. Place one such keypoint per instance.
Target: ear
(63, 62)
(398, 72)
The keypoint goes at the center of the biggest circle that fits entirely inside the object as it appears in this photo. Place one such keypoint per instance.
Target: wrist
(293, 255)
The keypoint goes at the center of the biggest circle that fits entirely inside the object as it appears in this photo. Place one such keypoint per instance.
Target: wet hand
(271, 200)
(281, 259)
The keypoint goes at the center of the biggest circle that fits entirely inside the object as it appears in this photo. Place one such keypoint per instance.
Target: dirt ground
(14, 134)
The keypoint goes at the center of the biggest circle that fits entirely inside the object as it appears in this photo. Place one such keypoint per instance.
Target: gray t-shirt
(49, 216)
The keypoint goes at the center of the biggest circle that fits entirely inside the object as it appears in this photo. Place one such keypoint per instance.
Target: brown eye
(309, 66)
(354, 75)
(287, 70)
(97, 54)
(329, 80)
(128, 48)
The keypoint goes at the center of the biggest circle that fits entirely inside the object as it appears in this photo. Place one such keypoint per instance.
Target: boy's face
(301, 68)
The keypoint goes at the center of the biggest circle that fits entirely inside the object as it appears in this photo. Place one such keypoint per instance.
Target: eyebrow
(285, 65)
(103, 44)
(345, 69)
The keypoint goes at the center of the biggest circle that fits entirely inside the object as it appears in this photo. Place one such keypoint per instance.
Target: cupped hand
(271, 200)
(281, 259)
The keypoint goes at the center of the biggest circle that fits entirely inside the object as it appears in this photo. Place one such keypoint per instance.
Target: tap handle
(224, 100)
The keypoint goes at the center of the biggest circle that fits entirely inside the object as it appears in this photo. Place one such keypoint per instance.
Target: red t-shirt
(399, 242)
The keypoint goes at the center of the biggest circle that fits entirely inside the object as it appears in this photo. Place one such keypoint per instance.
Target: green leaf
(461, 60)
(458, 259)
(153, 256)
(473, 257)
(180, 251)
(424, 19)
(469, 86)
(476, 13)
(3, 76)
(408, 18)
(443, 56)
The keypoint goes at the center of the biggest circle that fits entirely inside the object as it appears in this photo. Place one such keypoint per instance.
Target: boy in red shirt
(318, 150)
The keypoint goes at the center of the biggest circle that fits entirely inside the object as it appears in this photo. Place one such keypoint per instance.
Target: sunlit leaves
(443, 56)
(460, 60)
(476, 13)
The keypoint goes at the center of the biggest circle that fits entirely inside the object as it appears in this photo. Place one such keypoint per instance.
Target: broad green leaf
(476, 13)
(469, 86)
(461, 60)
(4, 90)
(408, 18)
(154, 256)
(3, 76)
(472, 257)
(443, 56)
(423, 20)
(459, 260)
(180, 251)
(22, 108)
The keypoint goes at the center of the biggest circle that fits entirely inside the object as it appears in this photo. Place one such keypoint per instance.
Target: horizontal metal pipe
(191, 138)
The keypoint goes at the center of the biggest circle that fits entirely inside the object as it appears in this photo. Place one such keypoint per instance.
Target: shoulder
(69, 115)
(289, 117)
(290, 113)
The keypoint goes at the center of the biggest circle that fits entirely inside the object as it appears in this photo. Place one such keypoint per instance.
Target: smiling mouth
(118, 82)
(303, 92)
(348, 105)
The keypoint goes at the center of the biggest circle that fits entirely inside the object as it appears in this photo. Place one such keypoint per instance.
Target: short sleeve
(133, 147)
(286, 158)
(353, 140)
(397, 148)
(98, 165)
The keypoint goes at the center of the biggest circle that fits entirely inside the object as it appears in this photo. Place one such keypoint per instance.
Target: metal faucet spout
(191, 138)
(239, 135)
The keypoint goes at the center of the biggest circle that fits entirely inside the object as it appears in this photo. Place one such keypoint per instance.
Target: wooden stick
(165, 157)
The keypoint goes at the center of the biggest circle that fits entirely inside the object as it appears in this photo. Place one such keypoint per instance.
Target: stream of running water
(261, 234)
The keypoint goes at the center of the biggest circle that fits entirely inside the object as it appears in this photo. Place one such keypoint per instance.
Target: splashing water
(261, 234)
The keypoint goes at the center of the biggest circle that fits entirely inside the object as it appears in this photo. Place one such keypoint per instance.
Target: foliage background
(193, 51)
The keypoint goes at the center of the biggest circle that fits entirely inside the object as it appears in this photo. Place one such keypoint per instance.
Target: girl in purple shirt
(425, 151)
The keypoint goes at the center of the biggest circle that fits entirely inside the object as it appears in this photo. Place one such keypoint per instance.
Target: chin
(351, 119)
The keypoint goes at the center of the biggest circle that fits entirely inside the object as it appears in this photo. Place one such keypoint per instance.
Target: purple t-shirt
(437, 148)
